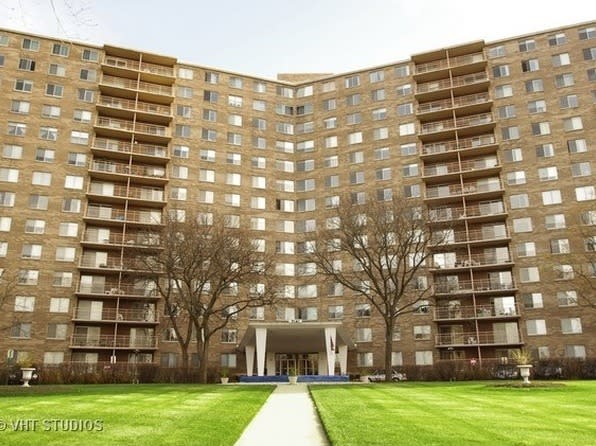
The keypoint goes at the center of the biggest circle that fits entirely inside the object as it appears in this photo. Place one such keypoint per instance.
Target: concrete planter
(27, 375)
(524, 371)
(224, 379)
(293, 379)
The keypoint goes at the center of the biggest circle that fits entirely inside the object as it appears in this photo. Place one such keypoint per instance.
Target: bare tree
(207, 273)
(586, 272)
(387, 244)
(8, 284)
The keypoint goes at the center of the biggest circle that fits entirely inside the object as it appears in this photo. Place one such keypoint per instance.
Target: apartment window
(564, 80)
(35, 226)
(362, 310)
(26, 64)
(383, 173)
(540, 128)
(509, 133)
(503, 91)
(575, 351)
(56, 331)
(585, 193)
(352, 81)
(571, 325)
(526, 45)
(569, 101)
(506, 111)
(12, 151)
(526, 249)
(178, 193)
(404, 90)
(50, 111)
(9, 175)
(45, 155)
(232, 200)
(235, 101)
(583, 169)
(31, 251)
(356, 177)
(7, 199)
(182, 131)
(73, 182)
(180, 151)
(378, 95)
(559, 246)
(572, 124)
(407, 129)
(410, 170)
(563, 272)
(534, 85)
(208, 134)
(21, 330)
(519, 201)
(257, 202)
(408, 149)
(21, 107)
(85, 95)
(402, 71)
(77, 159)
(65, 254)
(545, 151)
(41, 178)
(210, 96)
(234, 179)
(556, 221)
(38, 202)
(77, 137)
(532, 300)
(4, 40)
(258, 162)
(548, 173)
(28, 277)
(23, 85)
(17, 129)
(54, 90)
(522, 224)
(551, 197)
(577, 145)
(530, 65)
(90, 55)
(207, 175)
(353, 99)
(501, 71)
(412, 191)
(516, 178)
(559, 60)
(205, 155)
(305, 146)
(589, 53)
(588, 218)
(422, 332)
(5, 223)
(538, 106)
(557, 39)
(68, 229)
(206, 196)
(536, 327)
(380, 133)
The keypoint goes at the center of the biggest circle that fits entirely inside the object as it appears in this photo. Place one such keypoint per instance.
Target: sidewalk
(288, 417)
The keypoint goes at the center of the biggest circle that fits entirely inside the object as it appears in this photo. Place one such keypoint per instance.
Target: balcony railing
(459, 81)
(475, 339)
(130, 64)
(456, 167)
(465, 261)
(125, 192)
(113, 315)
(129, 84)
(467, 143)
(113, 264)
(473, 235)
(115, 289)
(119, 238)
(115, 145)
(129, 126)
(453, 190)
(111, 341)
(468, 286)
(442, 64)
(128, 104)
(448, 124)
(472, 312)
(115, 214)
(126, 169)
(460, 101)
(457, 213)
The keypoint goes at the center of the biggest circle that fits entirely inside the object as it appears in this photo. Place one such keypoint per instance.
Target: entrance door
(303, 363)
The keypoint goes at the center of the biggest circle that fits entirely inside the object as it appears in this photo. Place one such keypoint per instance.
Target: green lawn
(128, 414)
(444, 414)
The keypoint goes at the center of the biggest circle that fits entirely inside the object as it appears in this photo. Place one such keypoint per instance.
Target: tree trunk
(202, 349)
(185, 363)
(388, 349)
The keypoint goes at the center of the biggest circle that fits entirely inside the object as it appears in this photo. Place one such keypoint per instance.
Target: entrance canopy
(268, 338)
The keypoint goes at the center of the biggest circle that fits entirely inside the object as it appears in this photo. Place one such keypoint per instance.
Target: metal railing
(460, 101)
(475, 338)
(131, 64)
(128, 104)
(116, 315)
(474, 312)
(442, 64)
(466, 143)
(468, 286)
(111, 341)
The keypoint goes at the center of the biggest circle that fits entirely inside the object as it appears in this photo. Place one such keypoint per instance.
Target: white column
(270, 363)
(249, 351)
(261, 335)
(330, 333)
(322, 363)
(343, 359)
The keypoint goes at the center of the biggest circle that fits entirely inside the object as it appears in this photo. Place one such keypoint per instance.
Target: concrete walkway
(287, 418)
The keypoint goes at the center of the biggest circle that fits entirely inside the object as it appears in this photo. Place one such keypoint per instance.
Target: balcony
(113, 289)
(472, 286)
(121, 128)
(94, 236)
(467, 168)
(481, 144)
(443, 108)
(106, 169)
(111, 341)
(476, 59)
(481, 212)
(129, 88)
(115, 148)
(477, 261)
(150, 71)
(456, 312)
(126, 108)
(481, 189)
(117, 216)
(462, 85)
(111, 264)
(119, 315)
(475, 339)
(117, 193)
(482, 122)
(474, 236)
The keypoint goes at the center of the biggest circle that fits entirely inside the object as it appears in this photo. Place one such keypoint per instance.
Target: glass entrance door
(303, 363)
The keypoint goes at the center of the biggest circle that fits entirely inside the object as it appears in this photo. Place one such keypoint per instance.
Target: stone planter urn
(224, 379)
(27, 375)
(524, 371)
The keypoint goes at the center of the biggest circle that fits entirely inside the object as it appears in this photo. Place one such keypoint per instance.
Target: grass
(458, 414)
(128, 414)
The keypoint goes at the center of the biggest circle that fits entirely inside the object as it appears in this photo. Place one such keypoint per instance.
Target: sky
(266, 37)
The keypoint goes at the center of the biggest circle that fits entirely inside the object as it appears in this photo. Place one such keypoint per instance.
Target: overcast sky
(266, 37)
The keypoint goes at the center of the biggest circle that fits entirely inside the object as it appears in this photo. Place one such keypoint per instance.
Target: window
(12, 151)
(364, 359)
(39, 202)
(410, 170)
(506, 111)
(569, 101)
(412, 191)
(559, 60)
(503, 91)
(65, 254)
(536, 327)
(35, 226)
(501, 71)
(551, 197)
(404, 90)
(557, 39)
(22, 107)
(379, 114)
(21, 330)
(54, 90)
(30, 44)
(90, 55)
(73, 182)
(50, 111)
(17, 129)
(548, 173)
(424, 357)
(206, 196)
(362, 310)
(205, 155)
(380, 133)
(184, 92)
(538, 106)
(585, 193)
(28, 277)
(363, 334)
(530, 65)
(208, 134)
(567, 298)
(5, 223)
(522, 224)
(540, 128)
(23, 85)
(408, 149)
(407, 129)
(87, 74)
(509, 133)
(352, 81)
(519, 201)
(378, 95)
(234, 179)
(516, 178)
(353, 99)
(556, 221)
(532, 300)
(402, 71)
(24, 303)
(7, 199)
(571, 325)
(207, 175)
(235, 101)
(355, 138)
(574, 123)
(77, 137)
(31, 251)
(588, 218)
(9, 175)
(526, 249)
(577, 145)
(534, 85)
(575, 351)
(545, 151)
(564, 80)
(68, 229)
(589, 53)
(527, 45)
(57, 331)
(41, 178)
(563, 272)
(559, 246)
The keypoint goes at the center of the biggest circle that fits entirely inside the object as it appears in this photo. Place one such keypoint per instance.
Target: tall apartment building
(497, 138)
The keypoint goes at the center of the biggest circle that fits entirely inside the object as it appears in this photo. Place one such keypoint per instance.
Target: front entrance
(303, 363)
